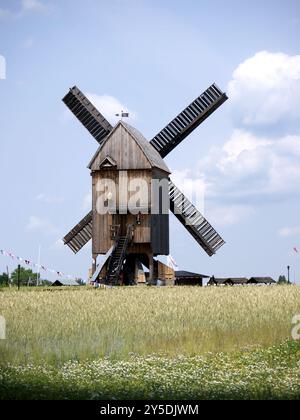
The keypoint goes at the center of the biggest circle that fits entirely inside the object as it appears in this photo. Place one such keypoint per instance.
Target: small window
(108, 163)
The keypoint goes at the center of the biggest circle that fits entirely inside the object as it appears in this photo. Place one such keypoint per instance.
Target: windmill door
(123, 224)
(120, 222)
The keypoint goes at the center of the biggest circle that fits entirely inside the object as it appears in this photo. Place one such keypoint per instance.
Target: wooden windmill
(125, 157)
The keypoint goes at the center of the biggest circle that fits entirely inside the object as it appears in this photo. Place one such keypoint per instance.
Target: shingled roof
(228, 280)
(187, 274)
(217, 280)
(238, 280)
(151, 154)
(262, 280)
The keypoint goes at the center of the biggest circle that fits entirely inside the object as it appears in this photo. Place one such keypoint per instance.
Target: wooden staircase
(117, 258)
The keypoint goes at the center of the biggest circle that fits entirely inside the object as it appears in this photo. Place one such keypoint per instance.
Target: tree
(282, 280)
(25, 276)
(80, 282)
(44, 282)
(3, 279)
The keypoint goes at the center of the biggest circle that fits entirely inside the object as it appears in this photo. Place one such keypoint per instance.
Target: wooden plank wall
(101, 223)
(153, 229)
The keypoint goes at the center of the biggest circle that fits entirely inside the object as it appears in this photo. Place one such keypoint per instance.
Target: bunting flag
(34, 265)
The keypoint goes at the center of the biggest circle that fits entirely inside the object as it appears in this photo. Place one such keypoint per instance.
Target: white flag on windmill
(172, 263)
(123, 114)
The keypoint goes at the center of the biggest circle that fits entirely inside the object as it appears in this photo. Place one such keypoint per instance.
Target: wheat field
(58, 325)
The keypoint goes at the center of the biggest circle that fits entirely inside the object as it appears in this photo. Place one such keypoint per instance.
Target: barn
(186, 278)
(230, 281)
(214, 281)
(262, 281)
(239, 281)
(242, 281)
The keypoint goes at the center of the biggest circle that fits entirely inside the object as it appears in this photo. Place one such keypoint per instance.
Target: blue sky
(153, 58)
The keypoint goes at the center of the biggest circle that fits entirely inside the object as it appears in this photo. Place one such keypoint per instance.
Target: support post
(139, 275)
(8, 280)
(39, 267)
(94, 267)
(19, 269)
(151, 269)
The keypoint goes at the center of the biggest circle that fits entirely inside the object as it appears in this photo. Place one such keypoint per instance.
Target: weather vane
(123, 115)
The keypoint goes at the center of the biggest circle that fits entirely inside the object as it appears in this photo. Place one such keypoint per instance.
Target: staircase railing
(114, 272)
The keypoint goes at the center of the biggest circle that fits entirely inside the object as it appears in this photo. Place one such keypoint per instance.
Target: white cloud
(193, 187)
(229, 215)
(58, 245)
(252, 165)
(28, 43)
(265, 89)
(87, 202)
(26, 6)
(37, 224)
(242, 141)
(2, 67)
(289, 231)
(49, 199)
(5, 13)
(33, 5)
(109, 106)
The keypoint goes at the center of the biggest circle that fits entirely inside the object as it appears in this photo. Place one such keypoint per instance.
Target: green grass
(272, 373)
(150, 343)
(59, 325)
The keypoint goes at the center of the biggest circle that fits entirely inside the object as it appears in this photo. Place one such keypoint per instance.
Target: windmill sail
(80, 234)
(87, 114)
(194, 221)
(189, 119)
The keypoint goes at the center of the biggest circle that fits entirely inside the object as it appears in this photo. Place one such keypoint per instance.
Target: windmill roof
(150, 152)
